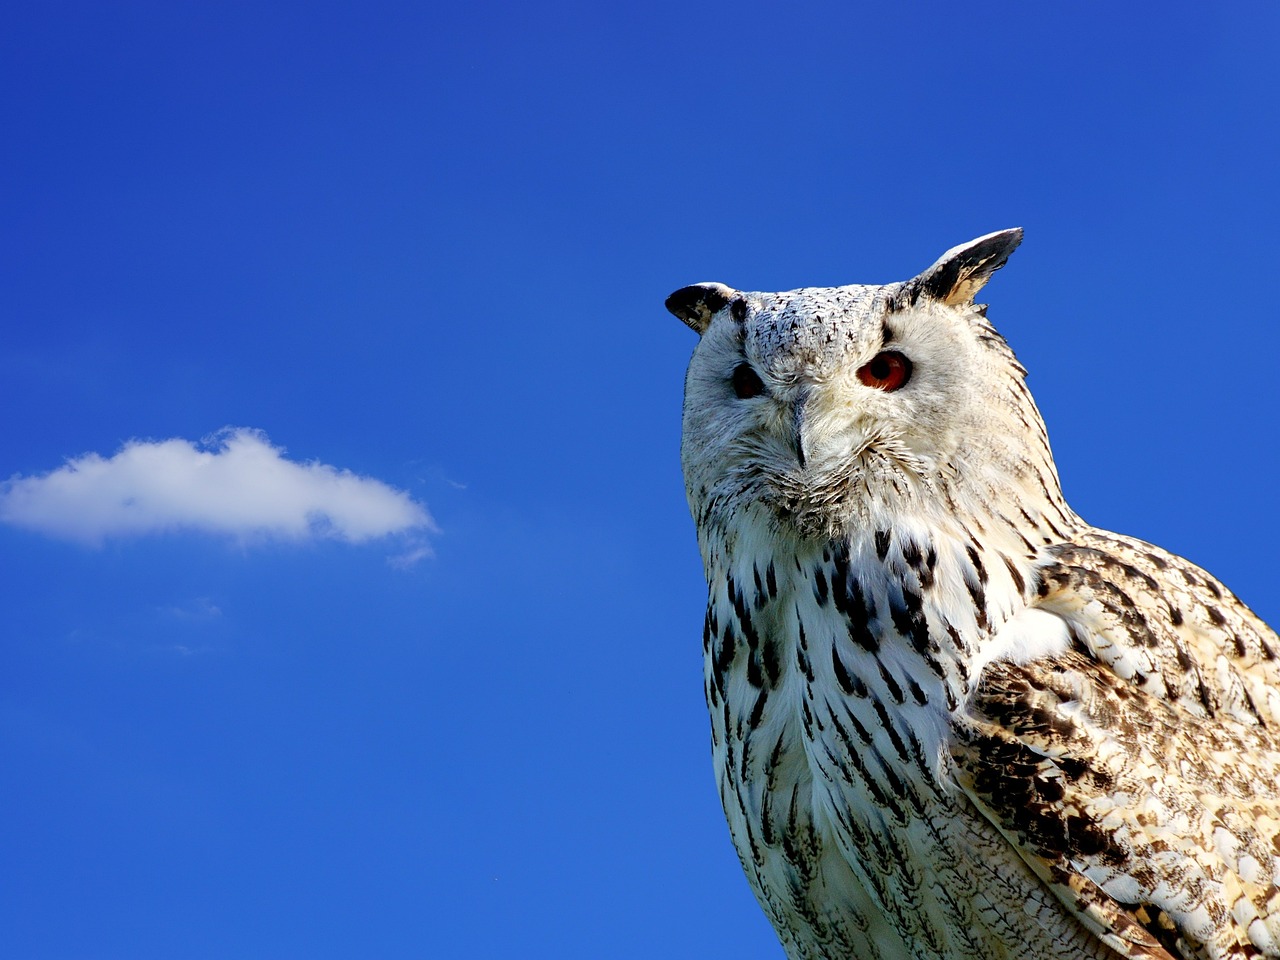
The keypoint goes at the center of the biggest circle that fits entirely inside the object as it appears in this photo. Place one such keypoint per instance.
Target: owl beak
(797, 425)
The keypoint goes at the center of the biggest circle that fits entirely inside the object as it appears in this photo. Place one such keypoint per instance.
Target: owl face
(818, 403)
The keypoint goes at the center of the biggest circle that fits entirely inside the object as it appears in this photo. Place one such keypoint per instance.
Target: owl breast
(831, 675)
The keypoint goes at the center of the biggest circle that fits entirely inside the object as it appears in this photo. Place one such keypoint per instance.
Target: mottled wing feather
(1137, 773)
(1165, 624)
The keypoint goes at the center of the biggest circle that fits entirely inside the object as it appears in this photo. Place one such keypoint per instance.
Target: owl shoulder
(1165, 625)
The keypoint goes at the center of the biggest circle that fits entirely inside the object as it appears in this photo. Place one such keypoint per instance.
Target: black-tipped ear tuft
(962, 271)
(697, 304)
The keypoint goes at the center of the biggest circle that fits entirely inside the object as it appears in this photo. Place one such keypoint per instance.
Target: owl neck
(1000, 481)
(903, 606)
(921, 574)
(1005, 492)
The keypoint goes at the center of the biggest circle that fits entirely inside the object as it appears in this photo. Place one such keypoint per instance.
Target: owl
(951, 719)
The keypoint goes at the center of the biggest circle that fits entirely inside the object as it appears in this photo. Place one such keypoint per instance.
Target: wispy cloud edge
(233, 483)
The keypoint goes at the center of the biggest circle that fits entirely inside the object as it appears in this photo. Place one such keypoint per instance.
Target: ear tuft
(964, 270)
(697, 304)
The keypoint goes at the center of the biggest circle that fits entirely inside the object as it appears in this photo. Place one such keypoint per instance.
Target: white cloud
(234, 483)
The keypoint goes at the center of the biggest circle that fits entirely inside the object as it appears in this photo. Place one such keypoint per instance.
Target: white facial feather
(824, 449)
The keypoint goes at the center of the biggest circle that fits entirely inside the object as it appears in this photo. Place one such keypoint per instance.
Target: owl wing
(1138, 773)
(1166, 625)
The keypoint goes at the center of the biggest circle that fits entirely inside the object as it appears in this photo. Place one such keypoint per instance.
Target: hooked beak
(797, 425)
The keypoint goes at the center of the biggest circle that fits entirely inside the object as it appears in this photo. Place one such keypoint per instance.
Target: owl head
(826, 406)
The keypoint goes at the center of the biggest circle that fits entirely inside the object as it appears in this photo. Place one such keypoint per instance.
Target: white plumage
(950, 719)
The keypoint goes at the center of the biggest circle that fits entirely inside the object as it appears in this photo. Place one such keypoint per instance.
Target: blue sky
(351, 603)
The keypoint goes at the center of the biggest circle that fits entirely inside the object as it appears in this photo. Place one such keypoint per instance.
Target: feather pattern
(949, 718)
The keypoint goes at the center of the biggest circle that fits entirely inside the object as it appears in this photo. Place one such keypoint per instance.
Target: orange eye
(886, 371)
